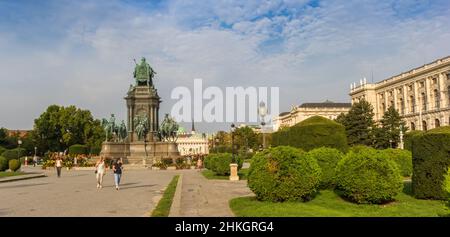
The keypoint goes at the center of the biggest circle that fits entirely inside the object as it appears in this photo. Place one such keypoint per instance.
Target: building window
(424, 125)
(390, 93)
(410, 87)
(412, 103)
(437, 123)
(383, 107)
(413, 126)
(434, 80)
(424, 102)
(436, 99)
(422, 84)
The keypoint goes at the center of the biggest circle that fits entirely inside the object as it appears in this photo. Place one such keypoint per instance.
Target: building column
(416, 92)
(405, 100)
(442, 90)
(385, 102)
(428, 93)
(157, 118)
(395, 99)
(152, 118)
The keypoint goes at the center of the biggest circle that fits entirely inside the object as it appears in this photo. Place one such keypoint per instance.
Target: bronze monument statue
(143, 73)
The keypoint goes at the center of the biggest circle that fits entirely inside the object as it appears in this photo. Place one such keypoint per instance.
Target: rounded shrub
(313, 133)
(358, 148)
(327, 158)
(208, 160)
(368, 176)
(283, 174)
(14, 165)
(403, 158)
(14, 153)
(78, 149)
(3, 163)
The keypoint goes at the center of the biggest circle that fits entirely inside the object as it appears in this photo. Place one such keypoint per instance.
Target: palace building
(327, 109)
(421, 95)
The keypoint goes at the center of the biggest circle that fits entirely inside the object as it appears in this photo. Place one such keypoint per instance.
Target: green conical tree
(389, 135)
(359, 124)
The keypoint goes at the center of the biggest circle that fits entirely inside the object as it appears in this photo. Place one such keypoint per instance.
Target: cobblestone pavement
(75, 194)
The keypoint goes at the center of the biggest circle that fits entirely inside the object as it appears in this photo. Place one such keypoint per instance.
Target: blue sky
(80, 52)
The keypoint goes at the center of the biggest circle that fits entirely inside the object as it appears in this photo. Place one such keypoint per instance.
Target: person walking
(100, 169)
(117, 168)
(58, 165)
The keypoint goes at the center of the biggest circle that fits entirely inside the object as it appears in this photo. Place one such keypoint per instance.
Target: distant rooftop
(326, 104)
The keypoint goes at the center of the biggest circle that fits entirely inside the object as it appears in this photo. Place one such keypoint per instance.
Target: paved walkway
(75, 194)
(201, 197)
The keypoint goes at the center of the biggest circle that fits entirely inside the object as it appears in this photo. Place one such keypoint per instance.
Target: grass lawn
(8, 174)
(163, 207)
(209, 174)
(329, 204)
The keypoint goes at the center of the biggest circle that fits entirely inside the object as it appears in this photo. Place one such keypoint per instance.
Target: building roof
(326, 104)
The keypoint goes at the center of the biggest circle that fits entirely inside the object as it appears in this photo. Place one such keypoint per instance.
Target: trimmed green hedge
(283, 174)
(2, 149)
(95, 150)
(431, 162)
(408, 137)
(327, 158)
(220, 162)
(14, 153)
(403, 158)
(4, 165)
(14, 165)
(313, 133)
(368, 176)
(78, 149)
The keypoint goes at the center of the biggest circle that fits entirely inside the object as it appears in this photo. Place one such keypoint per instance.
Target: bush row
(363, 175)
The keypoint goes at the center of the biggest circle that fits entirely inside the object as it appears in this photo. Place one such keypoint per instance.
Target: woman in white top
(100, 170)
(58, 165)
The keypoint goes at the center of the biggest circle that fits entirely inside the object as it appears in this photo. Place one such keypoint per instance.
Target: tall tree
(60, 127)
(245, 138)
(389, 132)
(359, 123)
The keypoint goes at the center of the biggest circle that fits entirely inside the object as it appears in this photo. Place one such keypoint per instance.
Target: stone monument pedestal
(139, 152)
(234, 172)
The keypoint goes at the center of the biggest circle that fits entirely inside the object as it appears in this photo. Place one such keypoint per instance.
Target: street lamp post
(263, 112)
(233, 166)
(232, 143)
(19, 142)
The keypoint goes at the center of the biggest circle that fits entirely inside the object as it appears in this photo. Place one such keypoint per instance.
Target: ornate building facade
(421, 95)
(327, 109)
(192, 143)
